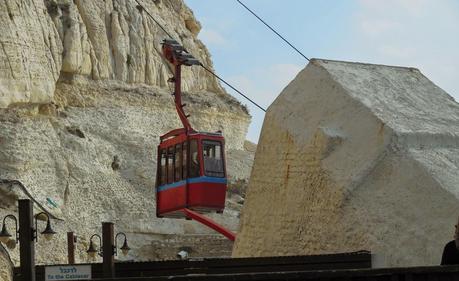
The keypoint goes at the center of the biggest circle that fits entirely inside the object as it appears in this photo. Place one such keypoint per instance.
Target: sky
(415, 33)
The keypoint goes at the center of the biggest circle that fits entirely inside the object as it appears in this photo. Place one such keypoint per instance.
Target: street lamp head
(48, 232)
(125, 248)
(4, 234)
(92, 251)
(42, 216)
(183, 255)
(11, 244)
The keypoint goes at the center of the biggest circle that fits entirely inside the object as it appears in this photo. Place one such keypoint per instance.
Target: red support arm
(177, 56)
(210, 223)
(178, 98)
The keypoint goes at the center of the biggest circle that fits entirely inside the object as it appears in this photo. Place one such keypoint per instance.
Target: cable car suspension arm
(178, 56)
(210, 223)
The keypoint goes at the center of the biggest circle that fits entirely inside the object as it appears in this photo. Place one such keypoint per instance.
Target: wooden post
(71, 239)
(26, 240)
(108, 246)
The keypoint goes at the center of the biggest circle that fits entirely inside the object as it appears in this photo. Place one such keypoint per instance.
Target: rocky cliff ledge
(84, 99)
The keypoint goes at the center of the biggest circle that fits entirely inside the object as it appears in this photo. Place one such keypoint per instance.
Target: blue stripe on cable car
(172, 185)
(207, 179)
(192, 180)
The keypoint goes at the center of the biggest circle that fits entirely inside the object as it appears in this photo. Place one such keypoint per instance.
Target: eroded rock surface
(84, 98)
(355, 157)
(6, 266)
(42, 40)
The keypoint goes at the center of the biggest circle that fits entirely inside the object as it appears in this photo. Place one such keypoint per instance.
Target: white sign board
(67, 272)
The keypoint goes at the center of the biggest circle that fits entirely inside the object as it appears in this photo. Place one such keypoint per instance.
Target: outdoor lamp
(11, 244)
(92, 250)
(125, 248)
(183, 255)
(48, 233)
(5, 234)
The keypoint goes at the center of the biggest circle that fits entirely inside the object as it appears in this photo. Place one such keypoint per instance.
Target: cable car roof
(181, 131)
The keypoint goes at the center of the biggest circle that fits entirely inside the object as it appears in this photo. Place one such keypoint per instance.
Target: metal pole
(108, 246)
(71, 239)
(26, 240)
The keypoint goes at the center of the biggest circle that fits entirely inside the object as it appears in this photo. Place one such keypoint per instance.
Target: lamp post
(26, 240)
(109, 248)
(71, 240)
(26, 235)
(5, 235)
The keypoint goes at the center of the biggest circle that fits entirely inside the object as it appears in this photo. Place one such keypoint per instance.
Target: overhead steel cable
(200, 64)
(143, 8)
(229, 85)
(160, 26)
(272, 29)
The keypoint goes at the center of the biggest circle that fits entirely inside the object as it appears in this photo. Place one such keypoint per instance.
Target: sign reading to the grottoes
(67, 272)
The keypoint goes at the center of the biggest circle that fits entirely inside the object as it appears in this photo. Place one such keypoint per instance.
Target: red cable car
(191, 172)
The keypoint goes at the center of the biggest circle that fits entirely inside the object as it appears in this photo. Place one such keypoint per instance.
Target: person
(451, 250)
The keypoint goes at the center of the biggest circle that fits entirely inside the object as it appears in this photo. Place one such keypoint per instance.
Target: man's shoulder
(450, 244)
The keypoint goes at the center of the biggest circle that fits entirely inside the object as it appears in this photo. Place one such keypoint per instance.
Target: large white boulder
(351, 157)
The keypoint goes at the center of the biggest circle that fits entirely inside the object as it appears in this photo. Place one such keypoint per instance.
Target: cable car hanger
(177, 56)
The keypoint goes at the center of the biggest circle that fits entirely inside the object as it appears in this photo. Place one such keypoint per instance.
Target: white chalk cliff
(355, 157)
(84, 98)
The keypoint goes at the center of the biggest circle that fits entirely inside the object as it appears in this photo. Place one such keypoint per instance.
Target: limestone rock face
(83, 101)
(6, 266)
(115, 39)
(30, 50)
(355, 157)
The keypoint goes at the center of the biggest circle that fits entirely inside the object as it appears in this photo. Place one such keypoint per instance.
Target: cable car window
(178, 162)
(213, 159)
(184, 158)
(162, 170)
(170, 164)
(194, 161)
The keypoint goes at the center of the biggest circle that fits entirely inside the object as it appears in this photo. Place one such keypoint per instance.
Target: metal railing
(231, 266)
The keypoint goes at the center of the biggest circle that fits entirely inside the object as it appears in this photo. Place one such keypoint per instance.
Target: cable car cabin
(191, 173)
